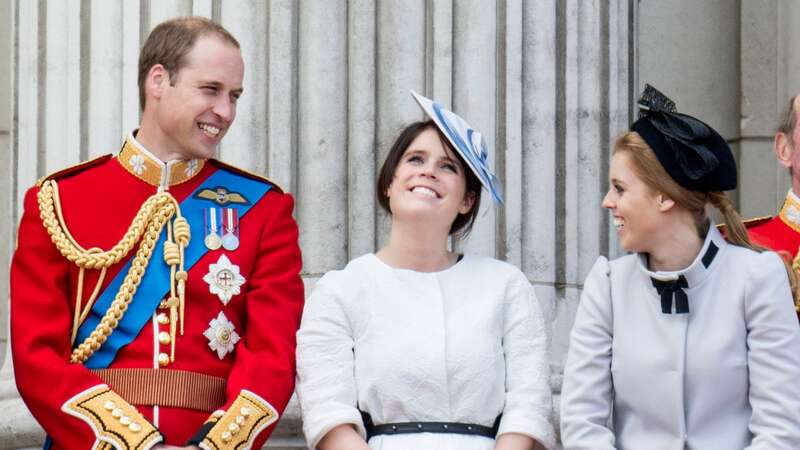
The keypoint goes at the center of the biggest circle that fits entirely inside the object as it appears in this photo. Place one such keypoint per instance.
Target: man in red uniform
(155, 293)
(782, 232)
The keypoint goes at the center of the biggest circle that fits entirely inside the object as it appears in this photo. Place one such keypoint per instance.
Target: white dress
(461, 345)
(724, 376)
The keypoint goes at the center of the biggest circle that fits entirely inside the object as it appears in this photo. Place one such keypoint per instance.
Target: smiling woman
(423, 157)
(415, 346)
(710, 317)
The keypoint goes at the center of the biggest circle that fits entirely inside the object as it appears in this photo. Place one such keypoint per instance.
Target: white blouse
(461, 345)
(724, 376)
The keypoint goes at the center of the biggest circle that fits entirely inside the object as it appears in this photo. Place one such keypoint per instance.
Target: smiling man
(782, 232)
(157, 290)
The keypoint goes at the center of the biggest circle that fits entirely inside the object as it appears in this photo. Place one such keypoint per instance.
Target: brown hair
(463, 222)
(170, 42)
(646, 165)
(788, 119)
(649, 169)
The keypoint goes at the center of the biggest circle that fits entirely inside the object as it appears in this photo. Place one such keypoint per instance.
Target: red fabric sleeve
(41, 320)
(265, 357)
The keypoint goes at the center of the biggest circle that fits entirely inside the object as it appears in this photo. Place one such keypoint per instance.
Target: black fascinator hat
(692, 153)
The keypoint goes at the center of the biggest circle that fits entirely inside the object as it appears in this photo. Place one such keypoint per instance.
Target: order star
(224, 279)
(221, 335)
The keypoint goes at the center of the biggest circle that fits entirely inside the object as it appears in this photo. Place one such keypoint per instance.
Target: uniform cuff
(115, 422)
(239, 426)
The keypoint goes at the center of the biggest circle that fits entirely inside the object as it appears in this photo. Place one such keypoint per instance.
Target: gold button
(109, 405)
(116, 413)
(163, 359)
(125, 420)
(239, 420)
(226, 436)
(164, 338)
(233, 428)
(162, 318)
(245, 411)
(135, 427)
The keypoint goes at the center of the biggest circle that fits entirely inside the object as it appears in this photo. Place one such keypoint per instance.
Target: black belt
(429, 427)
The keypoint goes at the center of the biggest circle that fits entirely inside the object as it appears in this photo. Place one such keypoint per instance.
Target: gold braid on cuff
(239, 427)
(113, 420)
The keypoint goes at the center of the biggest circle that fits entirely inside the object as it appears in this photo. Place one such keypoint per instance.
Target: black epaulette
(74, 169)
(247, 174)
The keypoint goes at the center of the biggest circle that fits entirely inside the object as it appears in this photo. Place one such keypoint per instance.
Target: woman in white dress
(416, 347)
(692, 342)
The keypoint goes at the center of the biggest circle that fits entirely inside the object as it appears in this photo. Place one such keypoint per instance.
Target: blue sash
(155, 282)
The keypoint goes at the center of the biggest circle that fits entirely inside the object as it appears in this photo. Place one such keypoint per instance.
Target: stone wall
(734, 64)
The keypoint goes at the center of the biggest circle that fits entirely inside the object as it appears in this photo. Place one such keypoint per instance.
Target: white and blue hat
(466, 140)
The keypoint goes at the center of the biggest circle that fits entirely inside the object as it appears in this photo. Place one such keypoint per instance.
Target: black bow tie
(669, 290)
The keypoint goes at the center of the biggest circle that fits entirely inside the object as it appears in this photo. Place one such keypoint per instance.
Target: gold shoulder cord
(146, 227)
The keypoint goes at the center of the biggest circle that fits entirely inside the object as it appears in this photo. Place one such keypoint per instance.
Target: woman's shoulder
(756, 264)
(350, 276)
(744, 263)
(486, 262)
(494, 268)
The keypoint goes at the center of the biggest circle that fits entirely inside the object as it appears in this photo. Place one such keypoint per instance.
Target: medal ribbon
(155, 282)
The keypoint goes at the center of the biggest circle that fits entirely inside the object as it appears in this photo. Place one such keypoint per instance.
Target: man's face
(196, 112)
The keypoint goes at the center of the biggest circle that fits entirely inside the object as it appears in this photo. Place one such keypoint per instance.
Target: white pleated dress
(461, 345)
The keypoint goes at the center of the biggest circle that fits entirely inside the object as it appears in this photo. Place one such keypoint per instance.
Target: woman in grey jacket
(691, 342)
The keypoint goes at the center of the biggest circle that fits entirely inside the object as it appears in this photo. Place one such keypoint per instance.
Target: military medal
(224, 279)
(230, 240)
(222, 336)
(212, 239)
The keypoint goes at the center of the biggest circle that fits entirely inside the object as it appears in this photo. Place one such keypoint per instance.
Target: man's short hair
(788, 120)
(170, 42)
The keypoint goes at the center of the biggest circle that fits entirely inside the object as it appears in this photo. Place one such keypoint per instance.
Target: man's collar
(143, 164)
(790, 213)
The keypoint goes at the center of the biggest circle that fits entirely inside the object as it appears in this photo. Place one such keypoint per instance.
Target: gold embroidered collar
(147, 167)
(790, 213)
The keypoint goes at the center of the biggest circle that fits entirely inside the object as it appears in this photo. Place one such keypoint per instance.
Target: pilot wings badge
(222, 196)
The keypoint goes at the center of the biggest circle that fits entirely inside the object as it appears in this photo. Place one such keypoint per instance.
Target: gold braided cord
(80, 315)
(70, 249)
(146, 227)
(93, 297)
(126, 292)
(182, 237)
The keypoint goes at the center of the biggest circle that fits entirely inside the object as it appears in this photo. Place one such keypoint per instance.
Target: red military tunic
(224, 398)
(780, 233)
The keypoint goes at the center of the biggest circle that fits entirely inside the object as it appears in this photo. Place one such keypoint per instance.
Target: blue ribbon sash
(155, 282)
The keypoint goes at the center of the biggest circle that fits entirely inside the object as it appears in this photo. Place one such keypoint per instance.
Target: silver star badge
(224, 279)
(221, 335)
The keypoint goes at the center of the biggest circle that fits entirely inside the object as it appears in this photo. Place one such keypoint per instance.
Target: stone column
(548, 82)
(691, 51)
